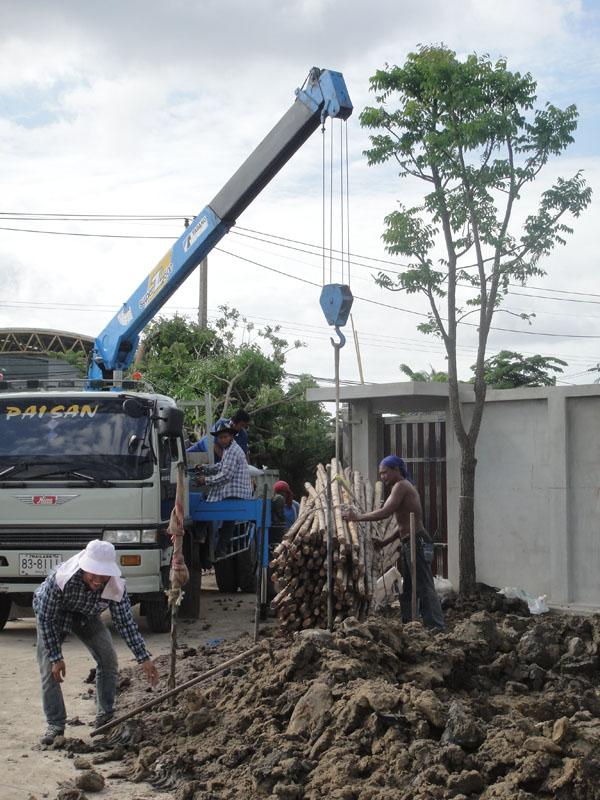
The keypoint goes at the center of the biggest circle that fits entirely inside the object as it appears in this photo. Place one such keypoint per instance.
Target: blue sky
(148, 108)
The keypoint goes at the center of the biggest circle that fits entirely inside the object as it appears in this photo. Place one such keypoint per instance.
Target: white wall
(511, 510)
(537, 496)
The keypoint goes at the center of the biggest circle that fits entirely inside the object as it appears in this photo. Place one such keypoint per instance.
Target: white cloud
(154, 105)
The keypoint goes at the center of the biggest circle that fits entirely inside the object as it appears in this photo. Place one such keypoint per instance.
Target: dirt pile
(503, 706)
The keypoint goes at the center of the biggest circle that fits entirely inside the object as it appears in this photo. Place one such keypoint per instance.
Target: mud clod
(90, 781)
(502, 707)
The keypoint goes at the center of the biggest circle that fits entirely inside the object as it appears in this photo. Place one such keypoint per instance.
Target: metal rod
(413, 566)
(260, 560)
(329, 551)
(337, 401)
(166, 695)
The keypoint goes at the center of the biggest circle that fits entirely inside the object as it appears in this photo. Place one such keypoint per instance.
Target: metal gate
(421, 441)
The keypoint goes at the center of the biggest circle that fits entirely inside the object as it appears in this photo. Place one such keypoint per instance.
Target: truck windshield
(40, 435)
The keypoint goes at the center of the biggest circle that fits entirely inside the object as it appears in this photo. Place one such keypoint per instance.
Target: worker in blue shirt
(240, 423)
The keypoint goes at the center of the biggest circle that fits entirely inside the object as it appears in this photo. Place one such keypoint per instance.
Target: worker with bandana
(71, 600)
(403, 501)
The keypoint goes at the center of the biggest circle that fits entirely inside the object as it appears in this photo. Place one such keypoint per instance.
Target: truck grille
(36, 537)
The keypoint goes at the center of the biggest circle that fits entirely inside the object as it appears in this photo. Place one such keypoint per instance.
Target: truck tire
(158, 615)
(225, 574)
(245, 569)
(190, 605)
(5, 604)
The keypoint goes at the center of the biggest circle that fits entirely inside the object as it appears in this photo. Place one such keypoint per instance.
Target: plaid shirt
(230, 477)
(57, 611)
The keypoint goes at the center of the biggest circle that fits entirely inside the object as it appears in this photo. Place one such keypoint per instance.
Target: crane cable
(345, 239)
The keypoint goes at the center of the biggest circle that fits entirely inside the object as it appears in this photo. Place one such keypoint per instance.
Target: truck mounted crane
(93, 464)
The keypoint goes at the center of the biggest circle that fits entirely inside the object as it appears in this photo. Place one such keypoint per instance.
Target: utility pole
(203, 294)
(202, 288)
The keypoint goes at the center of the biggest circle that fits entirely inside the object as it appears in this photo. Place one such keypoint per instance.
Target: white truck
(101, 462)
(77, 466)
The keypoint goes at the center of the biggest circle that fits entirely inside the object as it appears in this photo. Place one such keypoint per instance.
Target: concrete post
(364, 439)
(558, 493)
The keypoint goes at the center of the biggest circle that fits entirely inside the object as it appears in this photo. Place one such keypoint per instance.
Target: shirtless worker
(404, 500)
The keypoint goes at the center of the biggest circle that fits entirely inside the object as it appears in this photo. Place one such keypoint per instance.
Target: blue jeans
(96, 637)
(429, 602)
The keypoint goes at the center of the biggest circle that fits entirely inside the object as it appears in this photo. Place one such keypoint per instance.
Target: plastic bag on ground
(443, 587)
(537, 605)
(387, 588)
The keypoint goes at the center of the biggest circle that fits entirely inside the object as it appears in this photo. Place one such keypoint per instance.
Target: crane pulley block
(336, 301)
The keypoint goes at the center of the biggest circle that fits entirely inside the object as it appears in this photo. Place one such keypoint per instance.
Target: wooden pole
(413, 566)
(357, 348)
(260, 560)
(330, 608)
(208, 414)
(166, 695)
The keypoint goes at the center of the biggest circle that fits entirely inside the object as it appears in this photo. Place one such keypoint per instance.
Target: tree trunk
(466, 520)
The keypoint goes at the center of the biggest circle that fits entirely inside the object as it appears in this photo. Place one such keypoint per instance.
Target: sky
(147, 108)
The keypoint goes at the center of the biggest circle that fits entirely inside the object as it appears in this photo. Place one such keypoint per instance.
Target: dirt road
(30, 771)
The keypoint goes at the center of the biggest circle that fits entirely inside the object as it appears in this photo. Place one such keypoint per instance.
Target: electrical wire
(303, 280)
(237, 232)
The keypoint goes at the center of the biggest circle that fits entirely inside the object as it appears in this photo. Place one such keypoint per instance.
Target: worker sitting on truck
(239, 422)
(404, 500)
(227, 480)
(71, 600)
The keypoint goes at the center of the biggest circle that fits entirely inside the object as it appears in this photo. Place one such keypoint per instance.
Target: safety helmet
(223, 426)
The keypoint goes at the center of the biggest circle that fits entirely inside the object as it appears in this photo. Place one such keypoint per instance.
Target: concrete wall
(583, 507)
(537, 497)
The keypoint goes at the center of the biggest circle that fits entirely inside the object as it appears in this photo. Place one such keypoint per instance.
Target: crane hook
(342, 341)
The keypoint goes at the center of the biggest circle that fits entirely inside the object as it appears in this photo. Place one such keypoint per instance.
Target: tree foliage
(433, 376)
(467, 131)
(241, 367)
(507, 370)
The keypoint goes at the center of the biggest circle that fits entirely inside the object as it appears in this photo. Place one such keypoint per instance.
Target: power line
(132, 217)
(410, 311)
(303, 280)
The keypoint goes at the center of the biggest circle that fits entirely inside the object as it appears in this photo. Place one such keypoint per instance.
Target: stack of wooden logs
(299, 565)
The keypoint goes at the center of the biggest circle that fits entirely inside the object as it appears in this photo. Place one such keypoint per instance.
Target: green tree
(508, 370)
(228, 359)
(75, 358)
(423, 376)
(468, 132)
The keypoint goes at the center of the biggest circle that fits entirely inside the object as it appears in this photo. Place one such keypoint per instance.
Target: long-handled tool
(156, 701)
(261, 565)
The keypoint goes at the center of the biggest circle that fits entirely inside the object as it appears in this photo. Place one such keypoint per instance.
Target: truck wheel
(225, 574)
(245, 569)
(190, 605)
(5, 604)
(158, 615)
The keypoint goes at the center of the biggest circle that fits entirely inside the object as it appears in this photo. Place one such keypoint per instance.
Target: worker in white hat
(71, 600)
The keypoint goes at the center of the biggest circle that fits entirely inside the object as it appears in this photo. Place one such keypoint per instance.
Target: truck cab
(83, 465)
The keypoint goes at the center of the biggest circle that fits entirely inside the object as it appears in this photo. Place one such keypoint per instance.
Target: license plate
(38, 563)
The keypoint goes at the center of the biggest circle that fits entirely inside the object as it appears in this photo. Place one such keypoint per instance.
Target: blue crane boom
(323, 95)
